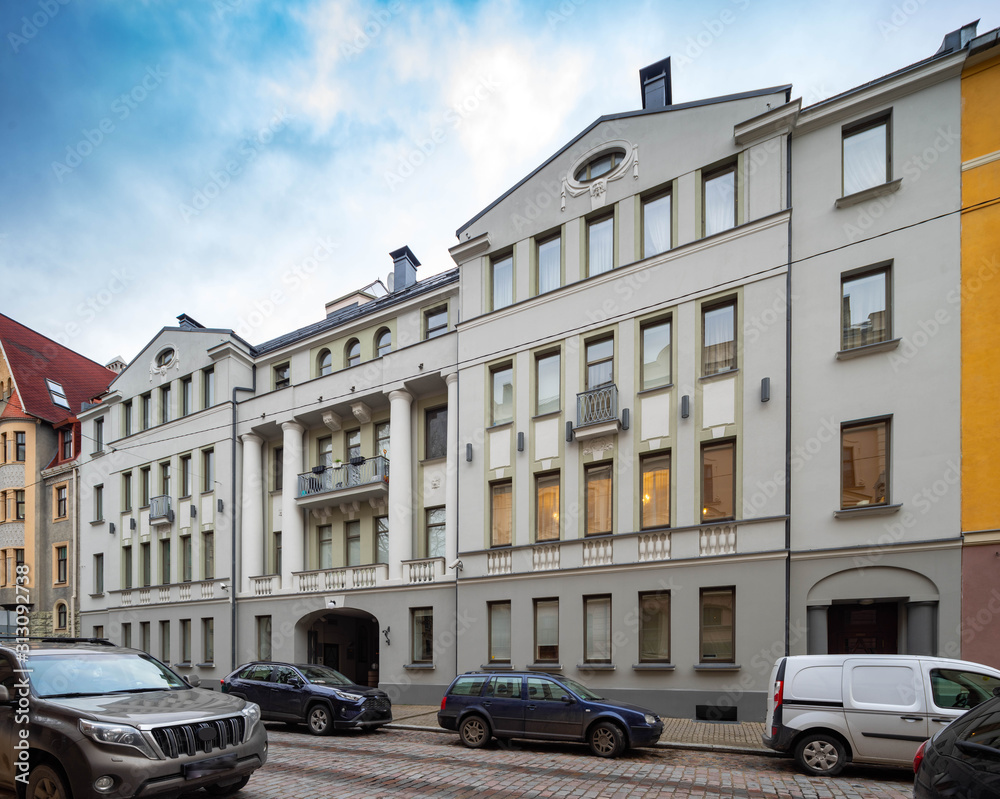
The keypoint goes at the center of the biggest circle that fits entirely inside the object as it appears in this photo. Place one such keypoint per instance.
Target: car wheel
(228, 790)
(606, 739)
(474, 732)
(319, 720)
(821, 754)
(45, 783)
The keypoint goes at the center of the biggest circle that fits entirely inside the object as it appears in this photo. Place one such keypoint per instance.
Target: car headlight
(117, 735)
(651, 719)
(251, 713)
(343, 696)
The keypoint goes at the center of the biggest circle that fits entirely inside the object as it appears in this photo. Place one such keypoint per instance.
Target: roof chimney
(957, 40)
(654, 81)
(404, 268)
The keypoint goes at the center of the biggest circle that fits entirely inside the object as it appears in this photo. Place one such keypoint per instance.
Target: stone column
(817, 638)
(451, 473)
(400, 483)
(921, 628)
(252, 511)
(292, 529)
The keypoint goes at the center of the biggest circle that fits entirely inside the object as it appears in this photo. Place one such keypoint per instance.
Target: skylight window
(57, 394)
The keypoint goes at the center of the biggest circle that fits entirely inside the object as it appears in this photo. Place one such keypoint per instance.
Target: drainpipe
(233, 584)
(71, 626)
(788, 399)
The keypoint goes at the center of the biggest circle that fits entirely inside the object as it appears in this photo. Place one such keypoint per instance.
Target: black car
(482, 705)
(962, 759)
(312, 694)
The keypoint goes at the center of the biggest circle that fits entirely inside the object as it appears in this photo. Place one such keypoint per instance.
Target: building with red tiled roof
(43, 385)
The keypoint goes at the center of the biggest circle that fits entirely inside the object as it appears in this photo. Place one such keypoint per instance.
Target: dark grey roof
(626, 115)
(356, 311)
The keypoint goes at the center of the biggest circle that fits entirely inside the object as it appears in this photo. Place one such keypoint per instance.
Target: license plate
(203, 768)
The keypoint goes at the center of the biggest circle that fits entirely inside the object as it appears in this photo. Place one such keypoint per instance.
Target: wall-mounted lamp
(331, 603)
(194, 512)
(218, 504)
(685, 406)
(625, 418)
(569, 431)
(468, 453)
(385, 632)
(224, 586)
(131, 524)
(520, 442)
(765, 389)
(111, 528)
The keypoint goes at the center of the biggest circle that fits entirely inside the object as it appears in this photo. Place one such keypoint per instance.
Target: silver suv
(84, 718)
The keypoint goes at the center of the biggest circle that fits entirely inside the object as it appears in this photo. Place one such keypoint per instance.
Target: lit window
(719, 200)
(866, 155)
(718, 483)
(503, 282)
(501, 514)
(864, 473)
(718, 639)
(656, 219)
(865, 310)
(599, 498)
(547, 507)
(656, 491)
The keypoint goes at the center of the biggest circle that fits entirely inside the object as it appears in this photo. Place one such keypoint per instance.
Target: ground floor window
(422, 634)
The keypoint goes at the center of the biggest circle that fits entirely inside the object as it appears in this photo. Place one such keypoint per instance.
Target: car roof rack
(52, 639)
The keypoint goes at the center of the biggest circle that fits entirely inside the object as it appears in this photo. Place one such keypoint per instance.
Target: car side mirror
(295, 682)
(996, 691)
(193, 680)
(567, 699)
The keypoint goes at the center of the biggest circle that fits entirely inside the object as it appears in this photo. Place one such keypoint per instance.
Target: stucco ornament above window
(164, 360)
(592, 171)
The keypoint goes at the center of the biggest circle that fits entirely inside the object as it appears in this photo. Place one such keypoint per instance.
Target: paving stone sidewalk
(679, 733)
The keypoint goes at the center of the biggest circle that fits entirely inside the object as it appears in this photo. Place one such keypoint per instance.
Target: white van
(831, 709)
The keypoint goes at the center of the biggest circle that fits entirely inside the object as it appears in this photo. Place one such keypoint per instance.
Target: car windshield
(92, 674)
(581, 690)
(324, 675)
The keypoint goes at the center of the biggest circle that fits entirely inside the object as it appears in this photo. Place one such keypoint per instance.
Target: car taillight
(443, 700)
(779, 688)
(918, 757)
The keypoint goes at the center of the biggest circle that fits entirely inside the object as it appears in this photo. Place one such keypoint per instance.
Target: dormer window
(600, 165)
(57, 394)
(165, 357)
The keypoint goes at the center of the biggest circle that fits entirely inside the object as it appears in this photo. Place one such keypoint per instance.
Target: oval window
(600, 165)
(165, 357)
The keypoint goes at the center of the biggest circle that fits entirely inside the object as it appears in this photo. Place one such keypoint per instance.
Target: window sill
(98, 594)
(866, 510)
(596, 666)
(95, 522)
(97, 453)
(881, 190)
(653, 667)
(209, 665)
(717, 667)
(868, 349)
(187, 664)
(717, 375)
(418, 666)
(539, 416)
(544, 667)
(654, 389)
(497, 667)
(500, 425)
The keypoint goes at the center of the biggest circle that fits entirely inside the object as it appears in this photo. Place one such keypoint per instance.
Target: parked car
(963, 759)
(481, 705)
(828, 710)
(87, 719)
(312, 694)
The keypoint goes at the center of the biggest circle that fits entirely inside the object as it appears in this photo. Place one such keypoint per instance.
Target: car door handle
(911, 718)
(487, 704)
(531, 707)
(940, 720)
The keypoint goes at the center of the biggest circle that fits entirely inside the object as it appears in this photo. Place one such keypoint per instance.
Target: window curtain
(656, 226)
(601, 246)
(718, 347)
(500, 632)
(864, 160)
(548, 384)
(503, 283)
(598, 630)
(549, 265)
(656, 493)
(502, 516)
(548, 509)
(654, 637)
(599, 500)
(720, 202)
(547, 631)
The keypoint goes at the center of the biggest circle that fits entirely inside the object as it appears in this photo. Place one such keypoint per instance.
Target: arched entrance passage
(345, 639)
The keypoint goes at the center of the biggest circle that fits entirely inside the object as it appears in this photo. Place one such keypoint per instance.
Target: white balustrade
(545, 558)
(654, 546)
(499, 562)
(719, 540)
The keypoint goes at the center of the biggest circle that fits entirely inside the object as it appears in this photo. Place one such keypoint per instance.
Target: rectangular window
(600, 363)
(546, 631)
(208, 388)
(263, 637)
(656, 224)
(866, 154)
(353, 536)
(98, 631)
(718, 631)
(499, 620)
(547, 507)
(436, 322)
(66, 437)
(165, 404)
(208, 555)
(436, 433)
(144, 486)
(382, 539)
(501, 514)
(208, 470)
(503, 282)
(434, 543)
(99, 573)
(99, 435)
(718, 338)
(98, 503)
(502, 404)
(865, 310)
(599, 499)
(352, 444)
(654, 627)
(718, 484)
(597, 629)
(165, 641)
(422, 635)
(126, 567)
(126, 491)
(864, 475)
(57, 393)
(62, 564)
(208, 640)
(324, 451)
(146, 411)
(19, 505)
(278, 463)
(382, 433)
(656, 360)
(719, 200)
(187, 396)
(20, 447)
(186, 559)
(600, 246)
(549, 256)
(127, 418)
(165, 561)
(165, 479)
(62, 504)
(145, 637)
(275, 553)
(145, 565)
(185, 475)
(548, 390)
(185, 640)
(282, 376)
(655, 490)
(324, 534)
(127, 634)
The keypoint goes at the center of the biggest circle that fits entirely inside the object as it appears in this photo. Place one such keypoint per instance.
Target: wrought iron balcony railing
(597, 405)
(362, 472)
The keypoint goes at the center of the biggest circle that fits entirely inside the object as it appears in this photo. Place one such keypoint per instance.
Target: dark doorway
(857, 629)
(331, 655)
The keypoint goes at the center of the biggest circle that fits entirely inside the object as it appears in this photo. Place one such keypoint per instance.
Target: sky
(246, 161)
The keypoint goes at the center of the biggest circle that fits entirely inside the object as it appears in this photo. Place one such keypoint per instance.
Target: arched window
(165, 357)
(353, 352)
(324, 362)
(383, 343)
(61, 616)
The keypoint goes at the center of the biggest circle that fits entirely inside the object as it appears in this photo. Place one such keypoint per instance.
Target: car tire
(319, 720)
(474, 732)
(821, 754)
(606, 739)
(46, 783)
(227, 790)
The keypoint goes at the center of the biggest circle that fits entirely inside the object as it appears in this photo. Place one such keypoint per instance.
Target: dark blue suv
(481, 705)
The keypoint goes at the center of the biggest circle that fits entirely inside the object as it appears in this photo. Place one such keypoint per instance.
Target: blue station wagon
(481, 705)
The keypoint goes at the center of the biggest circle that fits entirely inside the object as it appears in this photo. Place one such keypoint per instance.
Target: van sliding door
(885, 708)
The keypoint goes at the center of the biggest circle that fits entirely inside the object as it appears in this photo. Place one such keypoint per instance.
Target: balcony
(363, 478)
(344, 579)
(160, 511)
(597, 412)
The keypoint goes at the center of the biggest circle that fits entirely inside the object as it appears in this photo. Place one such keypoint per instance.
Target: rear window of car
(467, 686)
(261, 673)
